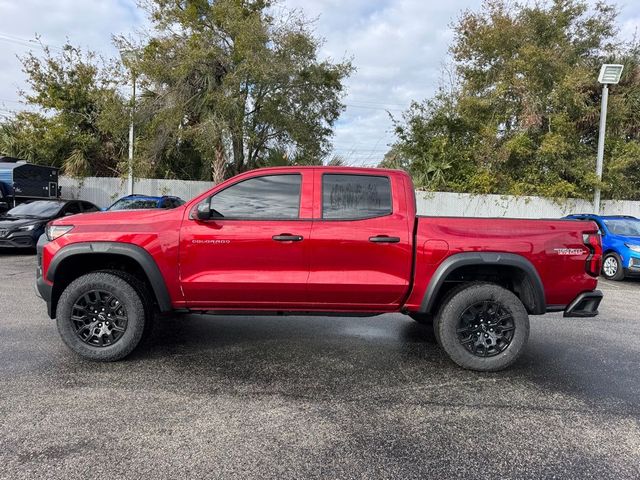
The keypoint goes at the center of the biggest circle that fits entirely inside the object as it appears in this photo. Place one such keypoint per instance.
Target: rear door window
(355, 197)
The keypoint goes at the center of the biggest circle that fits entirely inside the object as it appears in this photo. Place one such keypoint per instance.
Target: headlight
(26, 228)
(55, 231)
(633, 248)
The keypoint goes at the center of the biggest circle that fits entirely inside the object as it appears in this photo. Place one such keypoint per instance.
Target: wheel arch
(513, 271)
(84, 257)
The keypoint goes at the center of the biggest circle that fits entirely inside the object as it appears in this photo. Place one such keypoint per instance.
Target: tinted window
(628, 228)
(355, 196)
(134, 203)
(270, 197)
(72, 208)
(89, 207)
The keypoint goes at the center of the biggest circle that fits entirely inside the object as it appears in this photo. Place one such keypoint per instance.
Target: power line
(5, 37)
(384, 104)
(370, 107)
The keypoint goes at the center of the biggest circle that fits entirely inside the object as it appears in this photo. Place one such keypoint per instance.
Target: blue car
(136, 201)
(620, 244)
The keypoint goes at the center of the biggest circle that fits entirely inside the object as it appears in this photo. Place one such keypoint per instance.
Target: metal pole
(131, 112)
(600, 159)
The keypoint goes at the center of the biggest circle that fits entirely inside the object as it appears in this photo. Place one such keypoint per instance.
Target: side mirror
(203, 210)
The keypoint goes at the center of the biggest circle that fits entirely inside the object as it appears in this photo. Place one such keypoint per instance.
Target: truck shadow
(387, 357)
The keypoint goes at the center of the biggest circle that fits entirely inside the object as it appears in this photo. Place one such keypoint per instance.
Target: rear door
(360, 242)
(253, 253)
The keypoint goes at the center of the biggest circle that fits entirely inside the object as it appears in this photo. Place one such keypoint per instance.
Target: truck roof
(335, 169)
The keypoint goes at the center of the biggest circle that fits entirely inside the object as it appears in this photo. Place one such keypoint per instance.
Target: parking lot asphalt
(317, 397)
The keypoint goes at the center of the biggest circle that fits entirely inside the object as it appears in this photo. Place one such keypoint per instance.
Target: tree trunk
(238, 153)
(218, 166)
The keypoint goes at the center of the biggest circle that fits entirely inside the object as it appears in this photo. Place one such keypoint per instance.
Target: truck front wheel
(482, 327)
(101, 316)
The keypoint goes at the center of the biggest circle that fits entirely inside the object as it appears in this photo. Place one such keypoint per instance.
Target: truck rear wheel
(482, 327)
(101, 316)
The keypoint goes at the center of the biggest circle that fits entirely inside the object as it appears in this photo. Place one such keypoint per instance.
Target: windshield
(41, 208)
(133, 203)
(628, 228)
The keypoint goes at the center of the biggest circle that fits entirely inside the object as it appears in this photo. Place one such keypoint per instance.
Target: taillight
(594, 261)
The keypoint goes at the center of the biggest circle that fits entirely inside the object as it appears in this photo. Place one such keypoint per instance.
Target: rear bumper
(584, 305)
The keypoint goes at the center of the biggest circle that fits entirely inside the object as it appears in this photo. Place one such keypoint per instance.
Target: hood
(15, 222)
(626, 239)
(117, 216)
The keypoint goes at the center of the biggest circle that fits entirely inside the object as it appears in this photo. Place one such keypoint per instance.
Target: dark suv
(21, 226)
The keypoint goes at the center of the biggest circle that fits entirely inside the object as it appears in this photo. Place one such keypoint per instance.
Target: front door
(253, 252)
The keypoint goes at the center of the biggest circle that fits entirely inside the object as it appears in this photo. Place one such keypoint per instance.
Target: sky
(399, 49)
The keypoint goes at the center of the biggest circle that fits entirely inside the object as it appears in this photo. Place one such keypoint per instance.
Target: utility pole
(600, 158)
(609, 75)
(129, 57)
(131, 116)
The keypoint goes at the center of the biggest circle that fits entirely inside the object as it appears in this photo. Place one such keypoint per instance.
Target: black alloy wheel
(99, 318)
(486, 328)
(103, 316)
(482, 326)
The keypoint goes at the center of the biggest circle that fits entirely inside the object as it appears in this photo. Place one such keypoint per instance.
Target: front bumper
(16, 240)
(632, 268)
(584, 305)
(43, 289)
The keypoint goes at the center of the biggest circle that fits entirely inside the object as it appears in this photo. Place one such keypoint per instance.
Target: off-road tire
(146, 295)
(131, 300)
(447, 320)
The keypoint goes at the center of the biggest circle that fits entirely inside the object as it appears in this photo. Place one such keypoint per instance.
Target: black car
(21, 226)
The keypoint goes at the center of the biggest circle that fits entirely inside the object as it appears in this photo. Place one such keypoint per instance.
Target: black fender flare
(483, 258)
(136, 253)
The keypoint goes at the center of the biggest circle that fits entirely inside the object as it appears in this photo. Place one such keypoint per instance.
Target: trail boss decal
(569, 251)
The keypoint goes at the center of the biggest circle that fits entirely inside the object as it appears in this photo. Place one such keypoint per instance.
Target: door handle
(384, 239)
(287, 237)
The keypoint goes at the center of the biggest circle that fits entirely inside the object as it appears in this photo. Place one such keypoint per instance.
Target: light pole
(128, 59)
(609, 75)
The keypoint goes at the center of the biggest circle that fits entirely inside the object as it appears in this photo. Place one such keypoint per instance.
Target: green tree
(228, 86)
(522, 116)
(80, 124)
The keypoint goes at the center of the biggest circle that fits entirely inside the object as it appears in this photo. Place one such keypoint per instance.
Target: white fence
(105, 190)
(468, 205)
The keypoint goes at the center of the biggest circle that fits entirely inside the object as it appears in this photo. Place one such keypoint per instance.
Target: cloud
(399, 48)
(87, 23)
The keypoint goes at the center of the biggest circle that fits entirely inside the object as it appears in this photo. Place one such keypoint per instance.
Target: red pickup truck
(316, 240)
